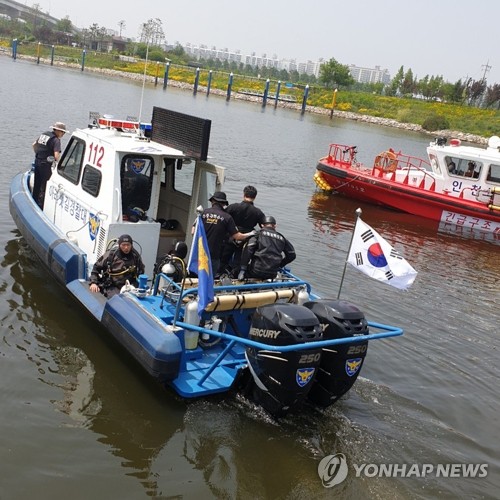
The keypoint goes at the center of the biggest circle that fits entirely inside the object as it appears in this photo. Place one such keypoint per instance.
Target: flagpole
(358, 215)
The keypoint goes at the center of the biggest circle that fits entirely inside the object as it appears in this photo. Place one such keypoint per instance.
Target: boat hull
(405, 198)
(138, 332)
(64, 260)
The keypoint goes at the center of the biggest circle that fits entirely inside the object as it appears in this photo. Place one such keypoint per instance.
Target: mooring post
(304, 99)
(196, 81)
(84, 53)
(52, 56)
(165, 76)
(38, 53)
(157, 72)
(229, 85)
(333, 102)
(14, 49)
(276, 98)
(266, 93)
(209, 83)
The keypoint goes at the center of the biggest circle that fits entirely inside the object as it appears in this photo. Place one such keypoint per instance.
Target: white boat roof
(127, 141)
(491, 152)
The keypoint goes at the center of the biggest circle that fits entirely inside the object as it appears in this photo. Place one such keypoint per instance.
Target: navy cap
(125, 238)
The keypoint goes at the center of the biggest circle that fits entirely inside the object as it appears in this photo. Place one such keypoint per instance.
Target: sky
(455, 39)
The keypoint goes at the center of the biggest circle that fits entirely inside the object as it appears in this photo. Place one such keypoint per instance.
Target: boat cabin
(122, 176)
(468, 172)
(465, 172)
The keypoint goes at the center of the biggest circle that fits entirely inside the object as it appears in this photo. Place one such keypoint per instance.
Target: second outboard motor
(340, 363)
(282, 379)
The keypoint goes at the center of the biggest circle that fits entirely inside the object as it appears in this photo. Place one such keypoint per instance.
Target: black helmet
(180, 250)
(269, 219)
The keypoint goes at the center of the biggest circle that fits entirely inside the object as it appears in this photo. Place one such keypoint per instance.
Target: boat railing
(285, 280)
(343, 154)
(387, 331)
(399, 167)
(232, 295)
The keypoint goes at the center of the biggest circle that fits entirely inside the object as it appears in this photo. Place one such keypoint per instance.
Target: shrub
(404, 115)
(435, 122)
(344, 106)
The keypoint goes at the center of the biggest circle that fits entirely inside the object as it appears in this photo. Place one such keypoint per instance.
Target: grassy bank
(463, 118)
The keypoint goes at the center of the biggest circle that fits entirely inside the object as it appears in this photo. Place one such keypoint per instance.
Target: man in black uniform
(47, 149)
(246, 216)
(115, 267)
(219, 227)
(266, 253)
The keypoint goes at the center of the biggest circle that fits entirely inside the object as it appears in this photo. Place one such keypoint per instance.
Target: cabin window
(494, 174)
(71, 163)
(462, 167)
(451, 163)
(91, 180)
(183, 177)
(473, 169)
(136, 177)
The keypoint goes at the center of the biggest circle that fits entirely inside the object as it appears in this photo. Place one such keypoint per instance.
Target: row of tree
(404, 84)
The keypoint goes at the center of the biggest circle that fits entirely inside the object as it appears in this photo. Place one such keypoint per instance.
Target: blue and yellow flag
(200, 264)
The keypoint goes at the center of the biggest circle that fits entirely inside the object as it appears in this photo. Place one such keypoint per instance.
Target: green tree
(44, 34)
(474, 91)
(65, 25)
(178, 50)
(408, 86)
(493, 96)
(333, 74)
(422, 86)
(454, 92)
(93, 32)
(396, 83)
(435, 87)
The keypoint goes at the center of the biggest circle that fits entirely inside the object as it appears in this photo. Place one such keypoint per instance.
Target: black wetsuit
(266, 253)
(114, 268)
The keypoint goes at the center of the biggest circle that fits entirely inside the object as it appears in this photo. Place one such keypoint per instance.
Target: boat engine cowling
(282, 379)
(341, 363)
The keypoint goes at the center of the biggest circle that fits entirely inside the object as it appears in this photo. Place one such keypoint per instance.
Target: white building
(370, 75)
(203, 52)
(362, 75)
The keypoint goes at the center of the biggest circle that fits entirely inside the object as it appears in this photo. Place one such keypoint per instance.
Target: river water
(79, 418)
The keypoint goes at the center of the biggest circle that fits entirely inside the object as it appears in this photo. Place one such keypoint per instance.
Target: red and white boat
(457, 184)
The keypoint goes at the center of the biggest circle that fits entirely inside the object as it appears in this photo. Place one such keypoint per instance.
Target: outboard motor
(340, 364)
(282, 379)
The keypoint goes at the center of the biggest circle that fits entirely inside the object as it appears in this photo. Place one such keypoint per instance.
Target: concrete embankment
(387, 122)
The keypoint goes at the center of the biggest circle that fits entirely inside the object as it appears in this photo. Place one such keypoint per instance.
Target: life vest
(44, 147)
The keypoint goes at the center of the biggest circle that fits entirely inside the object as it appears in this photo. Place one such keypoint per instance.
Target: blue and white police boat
(275, 340)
